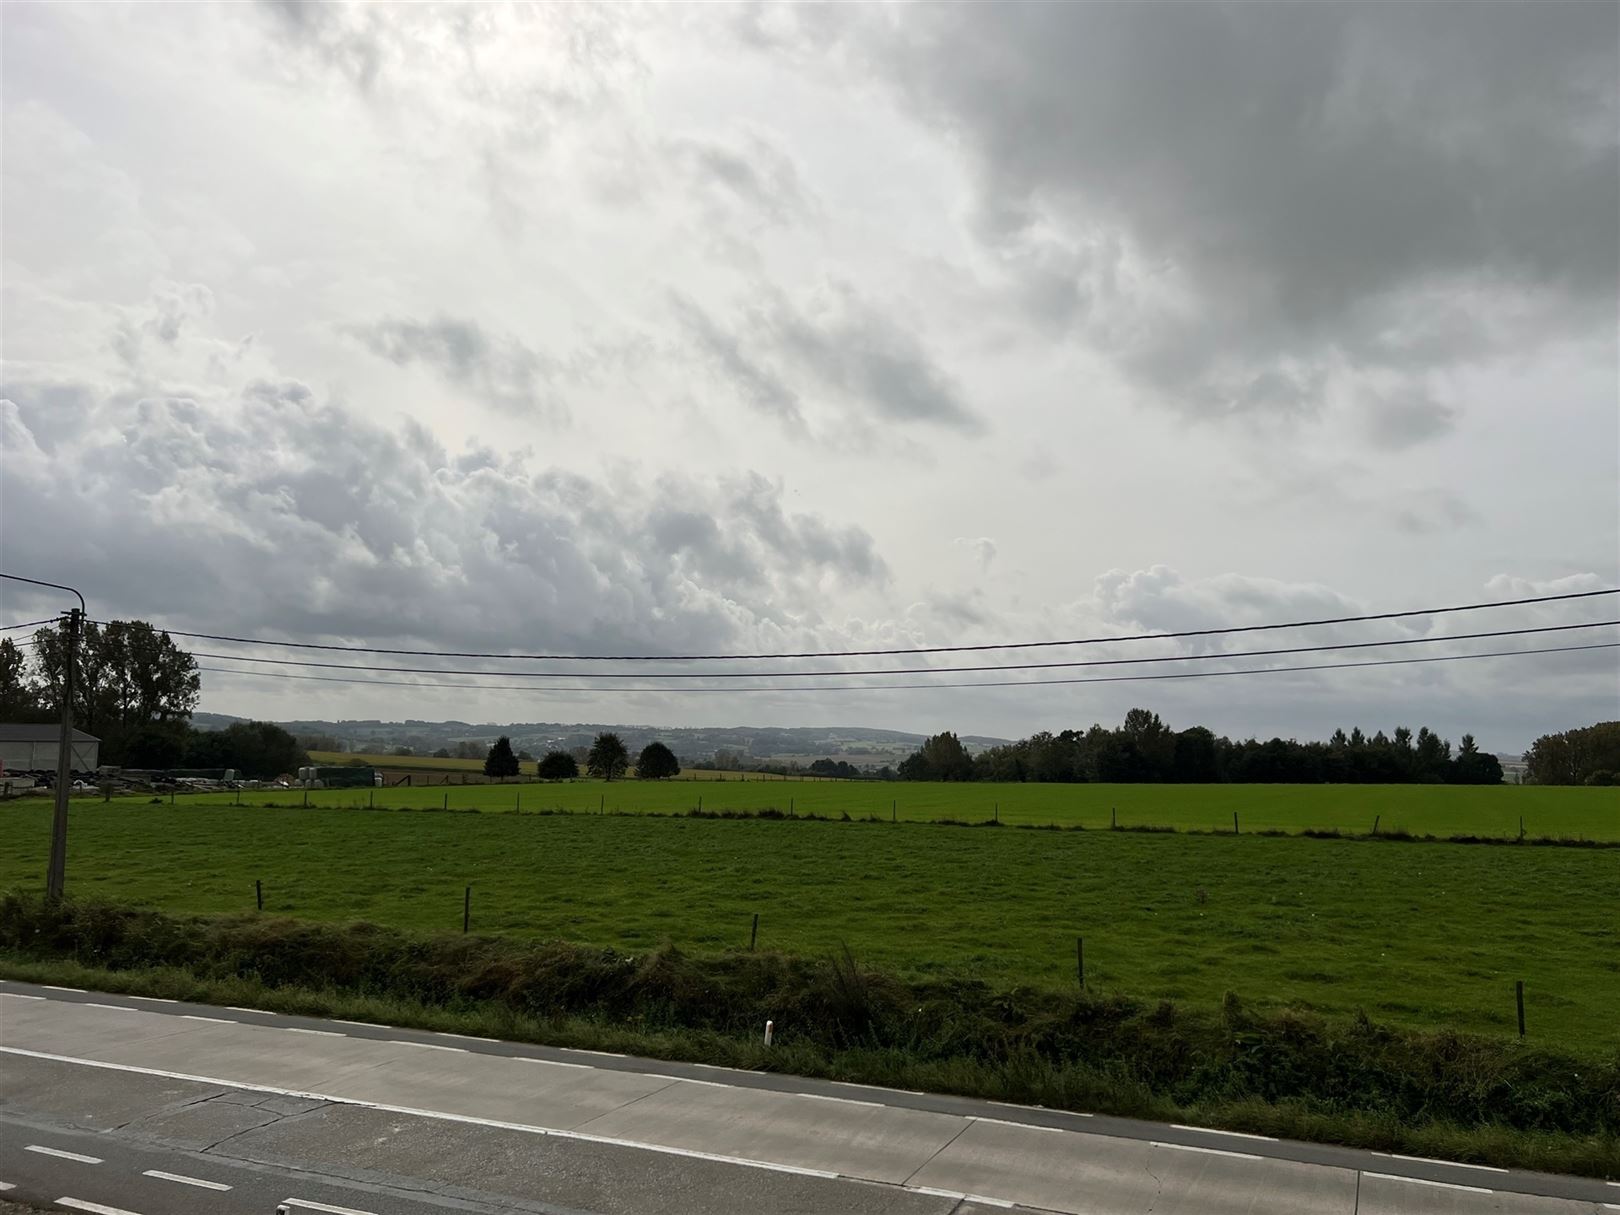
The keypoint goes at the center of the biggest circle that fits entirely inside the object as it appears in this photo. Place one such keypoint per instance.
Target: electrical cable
(942, 649)
(1015, 666)
(903, 687)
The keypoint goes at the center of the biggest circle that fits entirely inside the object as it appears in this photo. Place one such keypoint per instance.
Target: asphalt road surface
(131, 1106)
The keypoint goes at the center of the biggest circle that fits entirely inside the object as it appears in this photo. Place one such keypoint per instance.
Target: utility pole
(56, 876)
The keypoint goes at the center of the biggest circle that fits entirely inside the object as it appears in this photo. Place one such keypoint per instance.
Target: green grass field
(1431, 935)
(1441, 810)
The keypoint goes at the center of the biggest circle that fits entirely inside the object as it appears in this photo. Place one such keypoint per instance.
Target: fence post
(1518, 994)
(601, 803)
(1080, 960)
(894, 811)
(466, 910)
(371, 799)
(519, 806)
(790, 807)
(447, 801)
(998, 812)
(753, 937)
(306, 797)
(1234, 822)
(1376, 817)
(1113, 818)
(258, 892)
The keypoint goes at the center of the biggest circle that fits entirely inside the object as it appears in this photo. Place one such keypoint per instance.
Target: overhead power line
(27, 624)
(904, 687)
(1011, 666)
(938, 649)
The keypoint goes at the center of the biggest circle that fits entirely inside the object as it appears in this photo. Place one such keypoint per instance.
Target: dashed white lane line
(469, 1038)
(215, 1020)
(17, 995)
(113, 1007)
(1450, 1164)
(959, 1196)
(1023, 1126)
(237, 1008)
(1187, 1147)
(1439, 1185)
(324, 1033)
(95, 1208)
(58, 1152)
(816, 1096)
(1209, 1130)
(460, 1050)
(6, 1185)
(184, 1180)
(307, 1205)
(681, 1079)
(155, 999)
(550, 1062)
(78, 991)
(361, 1024)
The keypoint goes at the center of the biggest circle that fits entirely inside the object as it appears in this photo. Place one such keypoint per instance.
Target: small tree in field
(558, 765)
(500, 762)
(608, 758)
(656, 762)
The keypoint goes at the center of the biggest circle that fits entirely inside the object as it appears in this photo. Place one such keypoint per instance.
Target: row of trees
(608, 759)
(131, 680)
(1588, 756)
(1144, 749)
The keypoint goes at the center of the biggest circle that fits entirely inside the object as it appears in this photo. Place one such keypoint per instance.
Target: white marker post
(770, 1028)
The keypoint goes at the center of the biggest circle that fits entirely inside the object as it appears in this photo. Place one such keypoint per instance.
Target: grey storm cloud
(498, 371)
(300, 517)
(839, 352)
(748, 169)
(1247, 204)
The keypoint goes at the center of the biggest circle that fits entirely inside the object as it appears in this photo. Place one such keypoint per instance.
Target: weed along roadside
(1350, 1080)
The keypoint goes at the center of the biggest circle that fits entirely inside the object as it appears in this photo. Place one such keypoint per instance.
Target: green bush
(1076, 1043)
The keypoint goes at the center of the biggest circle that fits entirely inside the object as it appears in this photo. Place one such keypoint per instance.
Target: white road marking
(236, 1008)
(325, 1033)
(1187, 1147)
(467, 1037)
(215, 1020)
(1439, 1185)
(6, 1185)
(460, 1050)
(50, 1151)
(815, 1096)
(1450, 1164)
(1209, 1130)
(155, 999)
(307, 1205)
(52, 987)
(361, 1024)
(184, 1180)
(114, 1007)
(1023, 1126)
(959, 1196)
(443, 1116)
(17, 995)
(689, 1080)
(551, 1062)
(79, 1204)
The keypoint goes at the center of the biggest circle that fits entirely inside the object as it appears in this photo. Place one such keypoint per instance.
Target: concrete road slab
(1098, 1175)
(81, 1096)
(464, 1160)
(198, 1127)
(1406, 1196)
(873, 1142)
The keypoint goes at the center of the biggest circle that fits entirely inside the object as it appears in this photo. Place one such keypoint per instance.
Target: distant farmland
(1441, 810)
(412, 764)
(1430, 935)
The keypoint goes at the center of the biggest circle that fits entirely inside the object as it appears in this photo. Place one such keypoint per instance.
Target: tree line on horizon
(1143, 749)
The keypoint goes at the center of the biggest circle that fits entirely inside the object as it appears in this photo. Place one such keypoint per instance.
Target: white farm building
(33, 748)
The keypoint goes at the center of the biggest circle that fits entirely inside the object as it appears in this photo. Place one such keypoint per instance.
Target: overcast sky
(717, 329)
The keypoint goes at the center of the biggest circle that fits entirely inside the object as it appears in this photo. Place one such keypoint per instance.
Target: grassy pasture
(1429, 935)
(1441, 810)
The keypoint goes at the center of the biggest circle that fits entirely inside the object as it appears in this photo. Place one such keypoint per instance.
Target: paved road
(153, 1107)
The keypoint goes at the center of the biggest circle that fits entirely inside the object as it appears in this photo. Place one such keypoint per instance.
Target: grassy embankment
(1438, 810)
(1429, 936)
